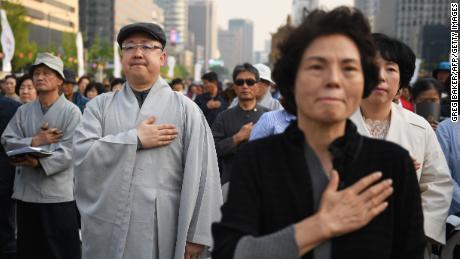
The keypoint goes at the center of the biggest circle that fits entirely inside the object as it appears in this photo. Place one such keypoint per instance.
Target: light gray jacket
(53, 181)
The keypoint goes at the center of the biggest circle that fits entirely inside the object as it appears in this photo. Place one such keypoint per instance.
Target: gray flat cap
(151, 29)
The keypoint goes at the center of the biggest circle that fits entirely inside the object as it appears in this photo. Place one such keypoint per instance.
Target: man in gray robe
(43, 187)
(147, 180)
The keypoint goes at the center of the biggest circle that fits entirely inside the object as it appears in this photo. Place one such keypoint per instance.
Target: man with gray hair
(233, 126)
(43, 187)
(262, 90)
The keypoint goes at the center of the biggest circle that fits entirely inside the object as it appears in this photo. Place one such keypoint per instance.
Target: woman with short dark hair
(25, 89)
(94, 89)
(315, 191)
(378, 117)
(427, 90)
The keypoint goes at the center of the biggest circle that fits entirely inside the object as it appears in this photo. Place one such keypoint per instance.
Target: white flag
(197, 74)
(7, 40)
(171, 65)
(116, 61)
(417, 69)
(81, 62)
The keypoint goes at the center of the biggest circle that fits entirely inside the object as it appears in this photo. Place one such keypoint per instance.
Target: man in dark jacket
(8, 108)
(211, 103)
(233, 126)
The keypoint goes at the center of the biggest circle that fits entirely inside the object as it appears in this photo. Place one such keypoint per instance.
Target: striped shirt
(448, 134)
(271, 123)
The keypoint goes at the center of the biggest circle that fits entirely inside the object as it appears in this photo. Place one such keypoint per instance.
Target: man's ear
(163, 58)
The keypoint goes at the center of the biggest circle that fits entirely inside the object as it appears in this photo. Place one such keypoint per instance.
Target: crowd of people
(333, 154)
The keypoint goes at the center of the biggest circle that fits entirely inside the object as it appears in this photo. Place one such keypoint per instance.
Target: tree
(100, 52)
(222, 72)
(25, 50)
(179, 72)
(69, 46)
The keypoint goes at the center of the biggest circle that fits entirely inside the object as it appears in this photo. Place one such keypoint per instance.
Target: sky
(267, 15)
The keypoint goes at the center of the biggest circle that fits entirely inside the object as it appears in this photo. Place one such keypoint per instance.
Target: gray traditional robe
(145, 203)
(53, 181)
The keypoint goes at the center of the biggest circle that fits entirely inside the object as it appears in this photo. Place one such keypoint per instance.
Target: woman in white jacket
(379, 117)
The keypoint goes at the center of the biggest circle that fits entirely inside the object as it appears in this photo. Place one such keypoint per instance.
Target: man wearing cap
(262, 91)
(233, 126)
(69, 90)
(43, 187)
(147, 182)
(442, 72)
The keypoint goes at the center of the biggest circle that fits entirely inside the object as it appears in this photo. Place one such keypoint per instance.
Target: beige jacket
(415, 134)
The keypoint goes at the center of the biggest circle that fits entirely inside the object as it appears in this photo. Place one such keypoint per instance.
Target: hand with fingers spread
(354, 207)
(344, 211)
(47, 136)
(155, 135)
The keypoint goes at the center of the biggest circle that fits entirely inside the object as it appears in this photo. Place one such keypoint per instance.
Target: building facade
(202, 23)
(49, 19)
(231, 47)
(175, 24)
(421, 24)
(369, 8)
(246, 28)
(104, 18)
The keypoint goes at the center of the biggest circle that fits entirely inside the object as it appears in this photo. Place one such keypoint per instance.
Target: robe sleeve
(436, 189)
(97, 158)
(89, 135)
(201, 195)
(61, 159)
(13, 136)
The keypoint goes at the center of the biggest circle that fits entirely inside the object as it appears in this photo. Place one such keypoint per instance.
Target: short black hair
(246, 67)
(10, 76)
(210, 76)
(425, 84)
(177, 81)
(21, 80)
(346, 21)
(116, 81)
(95, 85)
(396, 51)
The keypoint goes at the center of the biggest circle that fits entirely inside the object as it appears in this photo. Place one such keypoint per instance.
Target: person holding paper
(43, 187)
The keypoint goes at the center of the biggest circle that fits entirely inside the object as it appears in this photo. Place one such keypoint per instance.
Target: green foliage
(222, 72)
(25, 50)
(180, 71)
(100, 52)
(69, 45)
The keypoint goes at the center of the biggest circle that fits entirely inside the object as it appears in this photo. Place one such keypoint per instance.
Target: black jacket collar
(344, 149)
